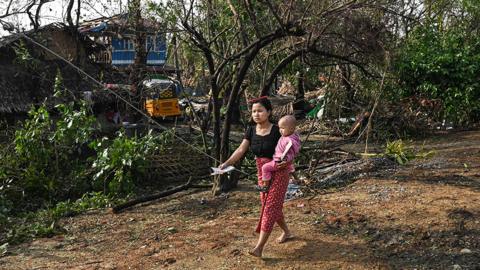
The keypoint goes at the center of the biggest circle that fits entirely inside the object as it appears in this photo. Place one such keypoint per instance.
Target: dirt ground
(425, 215)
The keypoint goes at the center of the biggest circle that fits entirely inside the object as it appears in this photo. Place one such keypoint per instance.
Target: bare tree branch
(30, 16)
(252, 16)
(39, 8)
(69, 13)
(274, 13)
(77, 23)
(8, 7)
(239, 22)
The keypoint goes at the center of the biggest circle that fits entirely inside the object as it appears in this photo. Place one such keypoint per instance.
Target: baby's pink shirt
(282, 143)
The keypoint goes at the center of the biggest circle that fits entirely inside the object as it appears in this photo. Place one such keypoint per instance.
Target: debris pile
(312, 126)
(286, 89)
(335, 167)
(408, 115)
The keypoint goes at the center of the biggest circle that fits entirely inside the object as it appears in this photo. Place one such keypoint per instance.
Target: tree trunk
(216, 126)
(349, 90)
(299, 103)
(138, 68)
(227, 183)
(236, 114)
(175, 59)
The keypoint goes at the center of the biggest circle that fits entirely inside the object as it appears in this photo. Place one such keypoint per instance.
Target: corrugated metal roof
(118, 24)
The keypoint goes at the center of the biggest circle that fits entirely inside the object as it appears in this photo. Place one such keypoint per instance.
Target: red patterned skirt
(272, 201)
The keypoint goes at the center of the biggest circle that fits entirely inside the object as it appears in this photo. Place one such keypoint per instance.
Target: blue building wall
(123, 51)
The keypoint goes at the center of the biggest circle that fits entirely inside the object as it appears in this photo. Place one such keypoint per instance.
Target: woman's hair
(265, 102)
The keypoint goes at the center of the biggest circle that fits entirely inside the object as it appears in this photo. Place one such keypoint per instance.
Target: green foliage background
(442, 65)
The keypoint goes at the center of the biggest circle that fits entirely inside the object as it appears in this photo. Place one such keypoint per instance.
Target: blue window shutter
(117, 44)
(149, 43)
(132, 45)
(161, 46)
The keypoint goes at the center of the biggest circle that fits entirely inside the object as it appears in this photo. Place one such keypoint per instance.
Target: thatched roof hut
(27, 72)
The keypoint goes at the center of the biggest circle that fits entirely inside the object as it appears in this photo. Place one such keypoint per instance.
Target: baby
(287, 148)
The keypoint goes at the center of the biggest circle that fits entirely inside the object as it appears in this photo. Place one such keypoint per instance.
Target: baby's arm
(290, 155)
(295, 142)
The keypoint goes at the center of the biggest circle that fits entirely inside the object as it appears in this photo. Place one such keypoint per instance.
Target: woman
(262, 138)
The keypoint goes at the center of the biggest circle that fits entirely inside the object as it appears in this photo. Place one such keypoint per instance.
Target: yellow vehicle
(161, 98)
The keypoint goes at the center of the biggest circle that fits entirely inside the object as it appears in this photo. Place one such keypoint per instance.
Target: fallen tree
(118, 208)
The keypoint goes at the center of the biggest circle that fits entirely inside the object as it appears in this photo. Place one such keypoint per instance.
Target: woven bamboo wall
(178, 164)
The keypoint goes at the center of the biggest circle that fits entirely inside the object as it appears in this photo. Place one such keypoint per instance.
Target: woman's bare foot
(255, 252)
(284, 237)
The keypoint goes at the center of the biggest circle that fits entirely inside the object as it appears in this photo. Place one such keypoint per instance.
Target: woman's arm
(237, 155)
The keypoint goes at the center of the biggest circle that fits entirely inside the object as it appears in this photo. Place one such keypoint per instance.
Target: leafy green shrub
(24, 58)
(122, 160)
(402, 153)
(399, 152)
(48, 153)
(119, 164)
(48, 163)
(442, 64)
(44, 163)
(89, 201)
